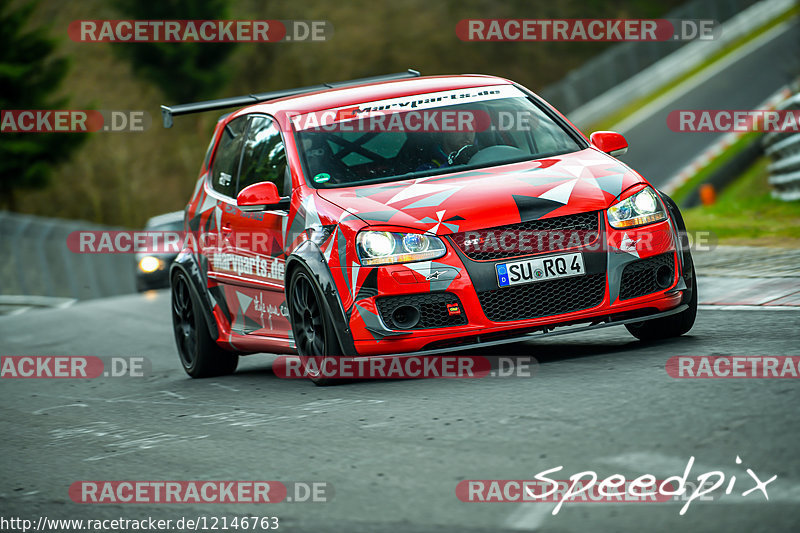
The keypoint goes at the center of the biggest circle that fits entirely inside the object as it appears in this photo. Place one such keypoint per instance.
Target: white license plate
(540, 269)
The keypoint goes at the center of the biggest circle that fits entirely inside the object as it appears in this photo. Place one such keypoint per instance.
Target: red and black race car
(405, 214)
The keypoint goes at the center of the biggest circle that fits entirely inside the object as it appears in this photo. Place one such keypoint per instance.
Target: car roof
(345, 96)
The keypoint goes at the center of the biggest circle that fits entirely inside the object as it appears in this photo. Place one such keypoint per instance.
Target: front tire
(312, 327)
(669, 326)
(201, 356)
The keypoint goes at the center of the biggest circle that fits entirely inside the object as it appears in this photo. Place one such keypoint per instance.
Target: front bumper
(489, 339)
(619, 286)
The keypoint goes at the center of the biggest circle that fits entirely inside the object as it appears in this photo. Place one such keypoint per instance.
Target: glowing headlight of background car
(641, 208)
(148, 264)
(388, 248)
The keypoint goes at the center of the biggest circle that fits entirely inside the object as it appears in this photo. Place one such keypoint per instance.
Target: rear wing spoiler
(167, 112)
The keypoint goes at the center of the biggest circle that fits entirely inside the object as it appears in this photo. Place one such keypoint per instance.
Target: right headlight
(639, 209)
(389, 248)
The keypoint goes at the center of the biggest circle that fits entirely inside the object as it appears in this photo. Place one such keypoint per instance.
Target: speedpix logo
(587, 487)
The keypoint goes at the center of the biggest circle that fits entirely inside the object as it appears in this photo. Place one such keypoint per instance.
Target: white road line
(221, 386)
(375, 425)
(712, 307)
(40, 411)
(529, 516)
(701, 77)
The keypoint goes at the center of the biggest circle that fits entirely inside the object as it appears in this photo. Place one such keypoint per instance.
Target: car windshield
(427, 134)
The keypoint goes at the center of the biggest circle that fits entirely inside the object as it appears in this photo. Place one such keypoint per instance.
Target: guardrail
(784, 151)
(35, 261)
(631, 70)
(732, 169)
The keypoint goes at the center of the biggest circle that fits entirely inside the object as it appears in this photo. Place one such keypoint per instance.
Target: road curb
(742, 277)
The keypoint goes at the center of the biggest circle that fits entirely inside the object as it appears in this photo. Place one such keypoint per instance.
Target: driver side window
(264, 157)
(226, 159)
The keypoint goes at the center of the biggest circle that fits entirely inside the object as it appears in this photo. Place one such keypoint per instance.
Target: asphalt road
(659, 153)
(394, 451)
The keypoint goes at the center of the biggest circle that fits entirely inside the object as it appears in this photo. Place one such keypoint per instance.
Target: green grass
(680, 194)
(745, 213)
(615, 118)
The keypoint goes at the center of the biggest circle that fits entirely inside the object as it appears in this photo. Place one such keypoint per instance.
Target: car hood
(588, 180)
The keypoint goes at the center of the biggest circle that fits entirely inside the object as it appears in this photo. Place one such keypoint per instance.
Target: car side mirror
(610, 142)
(259, 197)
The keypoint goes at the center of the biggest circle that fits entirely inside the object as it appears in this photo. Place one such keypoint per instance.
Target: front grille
(543, 298)
(543, 235)
(432, 309)
(639, 277)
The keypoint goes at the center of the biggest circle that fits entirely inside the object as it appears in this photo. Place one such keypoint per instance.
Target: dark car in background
(152, 268)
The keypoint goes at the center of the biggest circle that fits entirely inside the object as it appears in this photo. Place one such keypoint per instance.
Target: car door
(221, 189)
(255, 292)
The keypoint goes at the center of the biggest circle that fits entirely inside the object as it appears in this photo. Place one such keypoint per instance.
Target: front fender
(687, 263)
(309, 257)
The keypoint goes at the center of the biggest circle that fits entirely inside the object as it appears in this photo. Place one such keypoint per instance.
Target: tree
(29, 76)
(184, 71)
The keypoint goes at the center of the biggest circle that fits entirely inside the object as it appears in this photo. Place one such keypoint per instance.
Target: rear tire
(669, 326)
(200, 355)
(312, 327)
